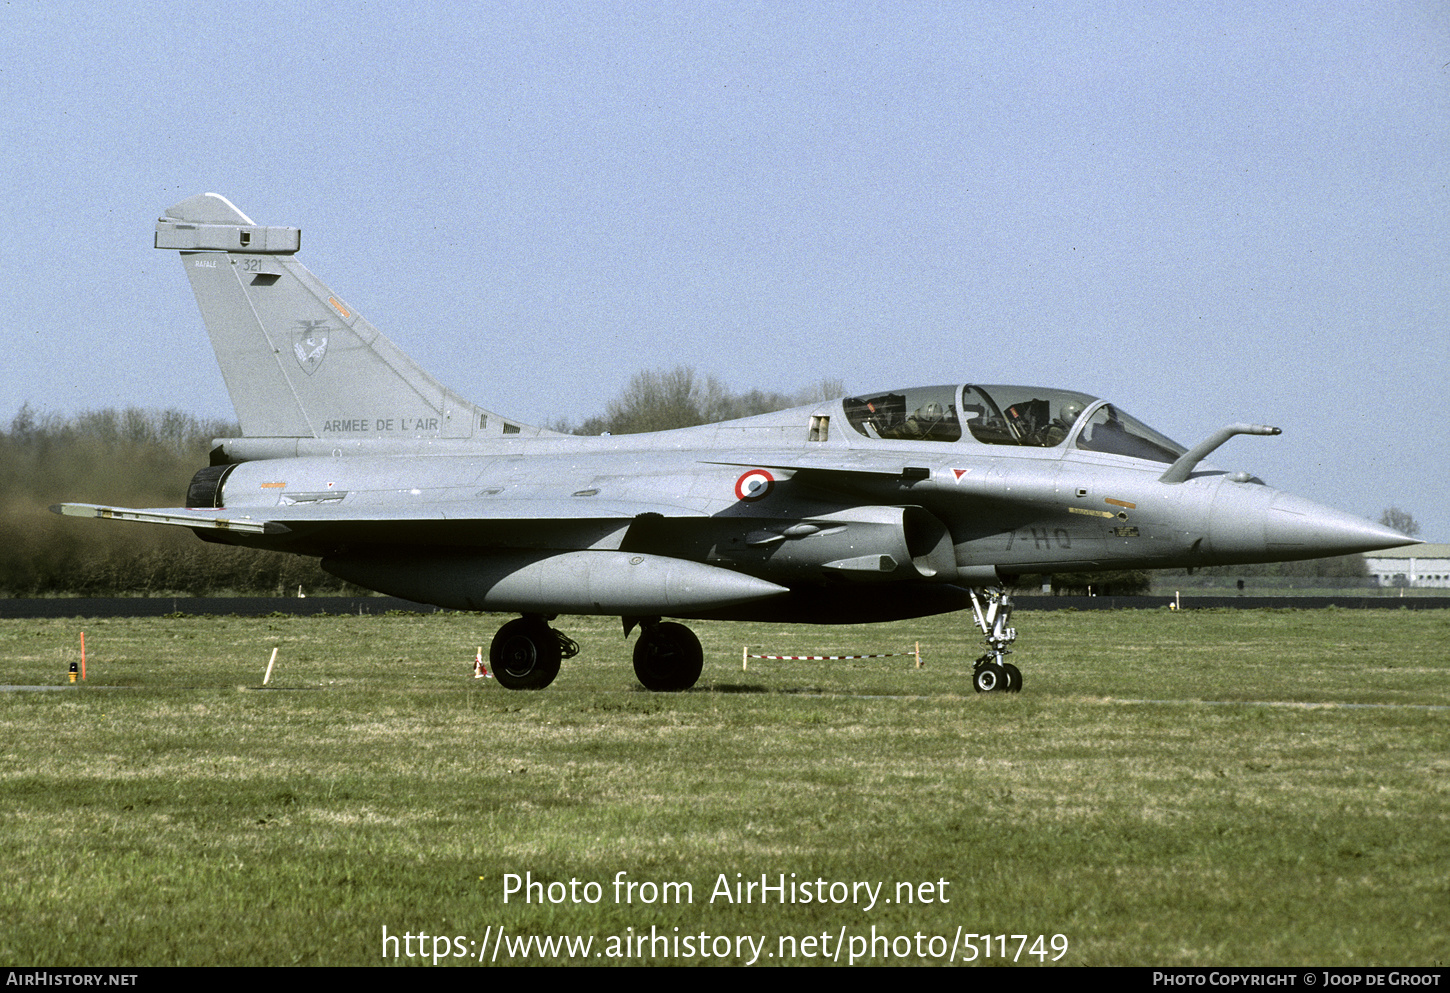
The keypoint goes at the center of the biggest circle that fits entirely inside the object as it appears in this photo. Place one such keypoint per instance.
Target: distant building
(1413, 565)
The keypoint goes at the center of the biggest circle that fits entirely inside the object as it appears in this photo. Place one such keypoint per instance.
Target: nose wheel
(995, 677)
(990, 674)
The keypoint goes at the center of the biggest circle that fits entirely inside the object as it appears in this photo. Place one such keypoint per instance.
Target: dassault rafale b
(892, 504)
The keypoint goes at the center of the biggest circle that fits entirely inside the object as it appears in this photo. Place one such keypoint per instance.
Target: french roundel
(753, 485)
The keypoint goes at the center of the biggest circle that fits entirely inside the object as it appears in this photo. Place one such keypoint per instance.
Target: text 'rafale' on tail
(892, 504)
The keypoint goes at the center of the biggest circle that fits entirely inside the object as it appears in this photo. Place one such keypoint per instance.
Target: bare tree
(660, 399)
(1401, 520)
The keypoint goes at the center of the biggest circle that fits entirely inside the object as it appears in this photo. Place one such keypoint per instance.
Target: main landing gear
(667, 657)
(989, 673)
(526, 653)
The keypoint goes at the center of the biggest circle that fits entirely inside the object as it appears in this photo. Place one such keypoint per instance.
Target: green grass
(169, 812)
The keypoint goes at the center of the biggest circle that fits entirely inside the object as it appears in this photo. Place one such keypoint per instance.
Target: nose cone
(1252, 523)
(1297, 528)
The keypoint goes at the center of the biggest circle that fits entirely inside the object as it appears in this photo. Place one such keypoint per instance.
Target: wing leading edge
(374, 523)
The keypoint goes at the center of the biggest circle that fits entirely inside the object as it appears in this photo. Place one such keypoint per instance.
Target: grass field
(1132, 799)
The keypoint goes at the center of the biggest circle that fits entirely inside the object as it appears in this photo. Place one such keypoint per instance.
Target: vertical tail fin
(298, 362)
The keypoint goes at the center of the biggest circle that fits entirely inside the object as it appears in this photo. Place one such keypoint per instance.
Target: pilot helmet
(1071, 411)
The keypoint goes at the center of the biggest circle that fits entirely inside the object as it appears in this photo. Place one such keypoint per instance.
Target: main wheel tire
(990, 678)
(525, 655)
(668, 658)
(1014, 677)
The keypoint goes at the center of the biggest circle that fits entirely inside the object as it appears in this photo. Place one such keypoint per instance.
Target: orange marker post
(83, 656)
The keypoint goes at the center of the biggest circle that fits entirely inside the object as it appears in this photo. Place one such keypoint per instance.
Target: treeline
(134, 458)
(661, 399)
(1344, 571)
(1340, 567)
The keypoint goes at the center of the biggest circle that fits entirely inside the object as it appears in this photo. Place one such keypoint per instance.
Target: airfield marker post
(83, 656)
(268, 677)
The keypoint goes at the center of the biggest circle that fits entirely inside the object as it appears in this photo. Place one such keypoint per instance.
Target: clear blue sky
(1208, 213)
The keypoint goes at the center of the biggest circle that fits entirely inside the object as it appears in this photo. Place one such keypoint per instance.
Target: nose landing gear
(990, 674)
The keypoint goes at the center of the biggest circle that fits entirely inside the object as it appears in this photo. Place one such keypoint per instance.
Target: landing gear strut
(667, 657)
(526, 653)
(989, 673)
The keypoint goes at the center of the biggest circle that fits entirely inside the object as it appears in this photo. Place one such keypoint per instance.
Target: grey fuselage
(857, 528)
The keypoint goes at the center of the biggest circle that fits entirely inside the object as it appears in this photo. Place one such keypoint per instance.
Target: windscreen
(1112, 431)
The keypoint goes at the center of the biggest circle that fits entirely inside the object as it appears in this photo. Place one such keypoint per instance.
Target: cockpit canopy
(1024, 416)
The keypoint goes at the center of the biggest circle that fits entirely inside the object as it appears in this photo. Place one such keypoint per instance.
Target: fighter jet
(892, 504)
